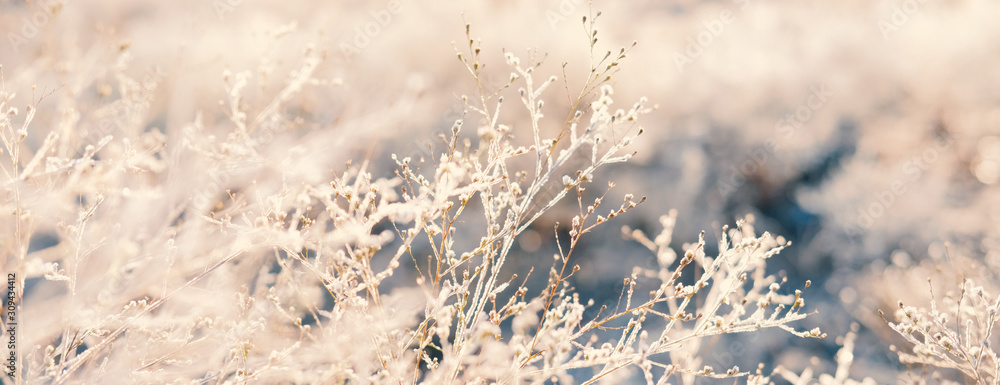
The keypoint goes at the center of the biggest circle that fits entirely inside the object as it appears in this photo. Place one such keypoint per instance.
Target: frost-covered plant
(957, 332)
(258, 274)
(845, 357)
(736, 295)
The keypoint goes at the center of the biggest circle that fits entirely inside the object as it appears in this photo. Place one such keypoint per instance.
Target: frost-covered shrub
(205, 254)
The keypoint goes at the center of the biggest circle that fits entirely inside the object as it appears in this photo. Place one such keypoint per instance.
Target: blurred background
(866, 132)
